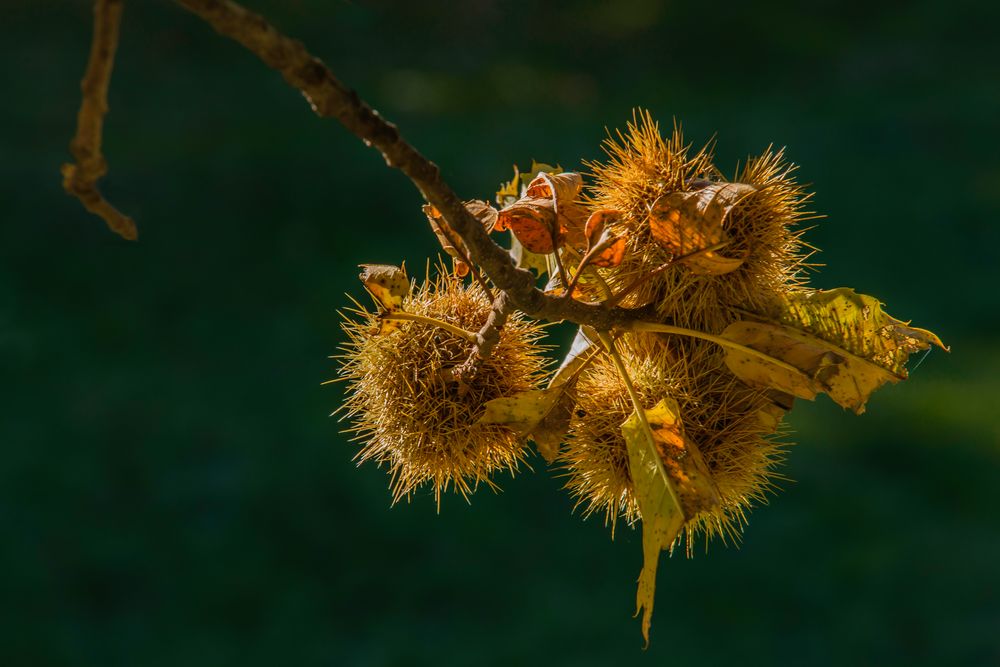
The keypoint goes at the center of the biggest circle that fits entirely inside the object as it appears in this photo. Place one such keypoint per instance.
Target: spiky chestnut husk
(642, 166)
(727, 420)
(409, 417)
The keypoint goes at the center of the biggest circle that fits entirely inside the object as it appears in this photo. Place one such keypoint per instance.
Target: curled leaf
(792, 362)
(512, 190)
(692, 222)
(388, 284)
(532, 224)
(546, 215)
(603, 248)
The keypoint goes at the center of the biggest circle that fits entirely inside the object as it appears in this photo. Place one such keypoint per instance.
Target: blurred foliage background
(172, 491)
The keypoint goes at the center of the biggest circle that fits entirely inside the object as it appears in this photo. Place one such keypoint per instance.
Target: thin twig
(585, 263)
(617, 298)
(329, 97)
(640, 413)
(80, 179)
(464, 258)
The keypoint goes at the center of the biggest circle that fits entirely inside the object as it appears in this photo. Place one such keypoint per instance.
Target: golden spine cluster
(407, 413)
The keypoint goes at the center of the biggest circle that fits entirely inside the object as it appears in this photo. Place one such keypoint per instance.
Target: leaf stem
(640, 412)
(617, 298)
(609, 343)
(718, 340)
(430, 321)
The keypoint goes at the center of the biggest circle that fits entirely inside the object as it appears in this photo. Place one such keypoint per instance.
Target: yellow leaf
(819, 366)
(549, 433)
(541, 414)
(671, 484)
(693, 221)
(682, 460)
(857, 323)
(522, 411)
(795, 364)
(387, 284)
(837, 341)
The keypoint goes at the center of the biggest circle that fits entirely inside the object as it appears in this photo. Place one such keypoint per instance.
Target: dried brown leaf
(608, 250)
(547, 215)
(692, 222)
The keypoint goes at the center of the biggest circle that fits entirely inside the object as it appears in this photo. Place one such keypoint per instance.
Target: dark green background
(172, 491)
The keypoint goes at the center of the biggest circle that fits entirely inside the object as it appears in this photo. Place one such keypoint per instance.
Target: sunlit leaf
(857, 323)
(792, 362)
(606, 249)
(671, 483)
(538, 413)
(512, 190)
(388, 284)
(837, 342)
(691, 222)
(547, 214)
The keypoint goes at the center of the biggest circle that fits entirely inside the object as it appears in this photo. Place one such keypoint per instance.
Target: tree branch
(331, 98)
(486, 339)
(80, 179)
